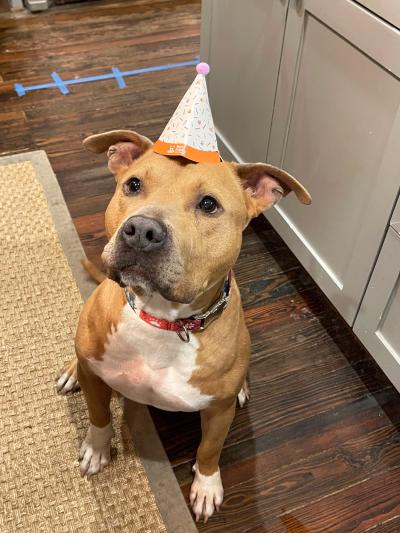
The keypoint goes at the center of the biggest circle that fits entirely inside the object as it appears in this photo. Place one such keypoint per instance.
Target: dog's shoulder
(99, 318)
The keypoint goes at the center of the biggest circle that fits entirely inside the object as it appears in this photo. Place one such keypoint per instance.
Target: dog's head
(175, 227)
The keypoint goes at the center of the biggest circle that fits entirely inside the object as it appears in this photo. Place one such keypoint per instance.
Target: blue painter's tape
(160, 67)
(19, 89)
(119, 77)
(116, 74)
(59, 83)
(91, 78)
(42, 86)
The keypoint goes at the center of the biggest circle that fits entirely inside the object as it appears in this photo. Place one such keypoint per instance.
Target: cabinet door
(242, 41)
(387, 9)
(378, 321)
(336, 127)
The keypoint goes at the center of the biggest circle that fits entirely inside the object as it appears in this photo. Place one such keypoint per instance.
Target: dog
(166, 326)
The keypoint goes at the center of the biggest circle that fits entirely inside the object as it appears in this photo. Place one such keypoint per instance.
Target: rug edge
(169, 498)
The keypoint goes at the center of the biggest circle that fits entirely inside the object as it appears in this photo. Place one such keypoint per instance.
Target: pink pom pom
(203, 68)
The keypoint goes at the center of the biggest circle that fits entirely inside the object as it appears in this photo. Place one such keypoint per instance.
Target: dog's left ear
(122, 147)
(265, 185)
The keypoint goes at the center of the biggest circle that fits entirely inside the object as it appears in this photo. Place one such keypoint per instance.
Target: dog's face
(175, 227)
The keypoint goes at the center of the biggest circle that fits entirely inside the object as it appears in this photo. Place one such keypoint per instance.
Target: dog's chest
(150, 365)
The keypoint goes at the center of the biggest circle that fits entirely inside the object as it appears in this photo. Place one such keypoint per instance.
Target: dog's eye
(208, 204)
(133, 185)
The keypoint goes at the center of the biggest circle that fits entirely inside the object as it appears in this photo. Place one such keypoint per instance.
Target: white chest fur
(150, 365)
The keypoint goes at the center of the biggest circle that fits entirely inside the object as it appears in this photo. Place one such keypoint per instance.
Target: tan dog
(175, 231)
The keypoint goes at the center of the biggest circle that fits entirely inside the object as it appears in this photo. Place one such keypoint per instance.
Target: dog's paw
(95, 450)
(206, 494)
(68, 379)
(244, 394)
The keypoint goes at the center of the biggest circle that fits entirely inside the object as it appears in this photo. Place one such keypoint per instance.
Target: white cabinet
(378, 321)
(242, 41)
(336, 128)
(387, 9)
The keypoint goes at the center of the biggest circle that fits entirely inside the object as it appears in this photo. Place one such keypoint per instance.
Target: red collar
(184, 325)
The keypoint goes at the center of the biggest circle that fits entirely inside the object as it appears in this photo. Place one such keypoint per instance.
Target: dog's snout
(144, 234)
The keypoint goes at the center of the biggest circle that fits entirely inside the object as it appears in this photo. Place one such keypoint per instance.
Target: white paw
(206, 494)
(244, 395)
(95, 450)
(68, 380)
(67, 383)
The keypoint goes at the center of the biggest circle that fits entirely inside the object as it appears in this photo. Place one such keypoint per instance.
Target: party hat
(190, 131)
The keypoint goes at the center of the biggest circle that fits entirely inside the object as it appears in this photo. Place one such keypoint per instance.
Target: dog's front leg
(95, 450)
(206, 492)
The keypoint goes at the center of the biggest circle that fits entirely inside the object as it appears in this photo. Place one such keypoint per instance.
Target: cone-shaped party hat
(190, 131)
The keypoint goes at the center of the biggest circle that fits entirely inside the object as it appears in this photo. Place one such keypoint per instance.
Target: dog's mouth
(142, 278)
(134, 270)
(160, 272)
(131, 275)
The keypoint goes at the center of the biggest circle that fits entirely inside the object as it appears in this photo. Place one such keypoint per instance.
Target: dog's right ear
(122, 146)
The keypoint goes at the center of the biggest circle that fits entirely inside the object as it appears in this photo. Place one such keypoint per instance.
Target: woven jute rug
(40, 432)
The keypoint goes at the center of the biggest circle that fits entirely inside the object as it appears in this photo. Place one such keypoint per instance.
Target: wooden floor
(318, 446)
(4, 7)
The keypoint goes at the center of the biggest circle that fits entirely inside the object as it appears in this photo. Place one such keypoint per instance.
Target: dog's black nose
(144, 234)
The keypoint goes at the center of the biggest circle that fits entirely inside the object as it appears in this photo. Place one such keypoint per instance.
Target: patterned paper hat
(190, 131)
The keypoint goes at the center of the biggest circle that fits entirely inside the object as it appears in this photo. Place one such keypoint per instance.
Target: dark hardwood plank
(4, 7)
(388, 526)
(351, 509)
